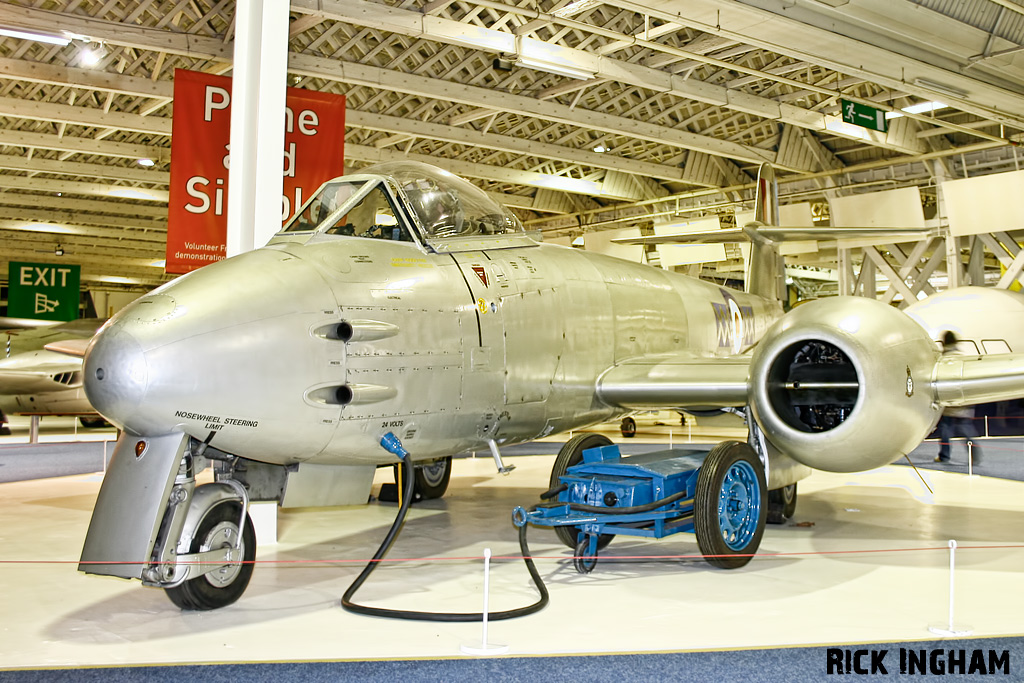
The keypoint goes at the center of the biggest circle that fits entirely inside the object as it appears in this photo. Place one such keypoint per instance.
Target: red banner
(314, 146)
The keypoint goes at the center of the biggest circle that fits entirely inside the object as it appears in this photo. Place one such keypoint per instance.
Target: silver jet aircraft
(403, 300)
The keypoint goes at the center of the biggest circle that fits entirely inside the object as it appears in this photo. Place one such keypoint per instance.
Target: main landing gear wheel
(781, 504)
(572, 454)
(222, 586)
(432, 478)
(628, 427)
(729, 506)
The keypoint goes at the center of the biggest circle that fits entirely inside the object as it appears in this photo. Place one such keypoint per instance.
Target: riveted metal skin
(500, 344)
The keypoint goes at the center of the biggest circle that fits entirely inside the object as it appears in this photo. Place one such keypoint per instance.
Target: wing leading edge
(683, 380)
(676, 381)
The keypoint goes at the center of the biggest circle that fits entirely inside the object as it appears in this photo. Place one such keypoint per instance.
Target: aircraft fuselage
(446, 350)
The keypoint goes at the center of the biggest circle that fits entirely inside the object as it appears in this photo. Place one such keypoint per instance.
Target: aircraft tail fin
(766, 270)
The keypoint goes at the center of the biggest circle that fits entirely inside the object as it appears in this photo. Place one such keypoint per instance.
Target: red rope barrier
(519, 558)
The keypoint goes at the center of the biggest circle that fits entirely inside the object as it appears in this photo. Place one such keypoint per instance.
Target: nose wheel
(224, 585)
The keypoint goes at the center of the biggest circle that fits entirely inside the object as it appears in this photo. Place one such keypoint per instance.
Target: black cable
(647, 507)
(389, 539)
(554, 491)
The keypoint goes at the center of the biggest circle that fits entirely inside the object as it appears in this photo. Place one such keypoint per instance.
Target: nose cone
(115, 374)
(225, 349)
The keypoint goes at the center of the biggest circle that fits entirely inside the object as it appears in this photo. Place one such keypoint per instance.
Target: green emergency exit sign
(43, 291)
(864, 116)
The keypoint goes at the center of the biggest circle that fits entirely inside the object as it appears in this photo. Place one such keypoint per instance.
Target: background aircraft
(403, 300)
(36, 380)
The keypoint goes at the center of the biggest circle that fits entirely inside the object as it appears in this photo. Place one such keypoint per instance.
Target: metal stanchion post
(957, 632)
(485, 648)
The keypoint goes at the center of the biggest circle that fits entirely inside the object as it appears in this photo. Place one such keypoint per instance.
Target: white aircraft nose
(115, 374)
(225, 348)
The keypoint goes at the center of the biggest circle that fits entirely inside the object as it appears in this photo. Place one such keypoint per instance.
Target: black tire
(223, 586)
(432, 479)
(781, 504)
(572, 454)
(628, 427)
(733, 472)
(93, 422)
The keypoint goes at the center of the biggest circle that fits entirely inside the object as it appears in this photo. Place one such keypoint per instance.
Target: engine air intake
(813, 385)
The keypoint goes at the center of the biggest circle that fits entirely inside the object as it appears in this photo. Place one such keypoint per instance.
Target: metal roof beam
(20, 69)
(349, 72)
(75, 187)
(452, 32)
(78, 145)
(83, 116)
(80, 218)
(132, 175)
(58, 228)
(53, 203)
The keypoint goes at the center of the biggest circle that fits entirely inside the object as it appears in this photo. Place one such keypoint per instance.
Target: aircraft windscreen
(446, 205)
(330, 197)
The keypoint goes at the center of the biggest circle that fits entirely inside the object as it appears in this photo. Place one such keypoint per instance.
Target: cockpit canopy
(372, 203)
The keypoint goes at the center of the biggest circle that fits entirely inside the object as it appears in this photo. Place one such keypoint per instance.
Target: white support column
(976, 263)
(846, 279)
(257, 123)
(954, 266)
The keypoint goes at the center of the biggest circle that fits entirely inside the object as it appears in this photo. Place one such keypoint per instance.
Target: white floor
(867, 561)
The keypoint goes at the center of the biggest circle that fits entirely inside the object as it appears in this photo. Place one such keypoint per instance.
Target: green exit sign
(43, 291)
(864, 116)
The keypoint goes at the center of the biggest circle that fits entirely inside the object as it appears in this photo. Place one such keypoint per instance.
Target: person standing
(956, 421)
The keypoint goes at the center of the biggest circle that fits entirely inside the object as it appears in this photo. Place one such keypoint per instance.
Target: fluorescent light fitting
(92, 55)
(919, 108)
(837, 125)
(558, 69)
(145, 162)
(600, 149)
(940, 87)
(130, 193)
(575, 7)
(32, 35)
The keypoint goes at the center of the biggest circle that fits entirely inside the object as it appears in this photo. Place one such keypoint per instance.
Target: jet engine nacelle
(844, 384)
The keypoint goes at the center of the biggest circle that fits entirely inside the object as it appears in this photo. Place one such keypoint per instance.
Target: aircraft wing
(776, 234)
(677, 381)
(69, 347)
(966, 380)
(35, 372)
(684, 380)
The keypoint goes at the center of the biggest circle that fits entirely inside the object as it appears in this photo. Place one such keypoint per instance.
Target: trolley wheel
(628, 427)
(582, 560)
(730, 508)
(781, 504)
(572, 454)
